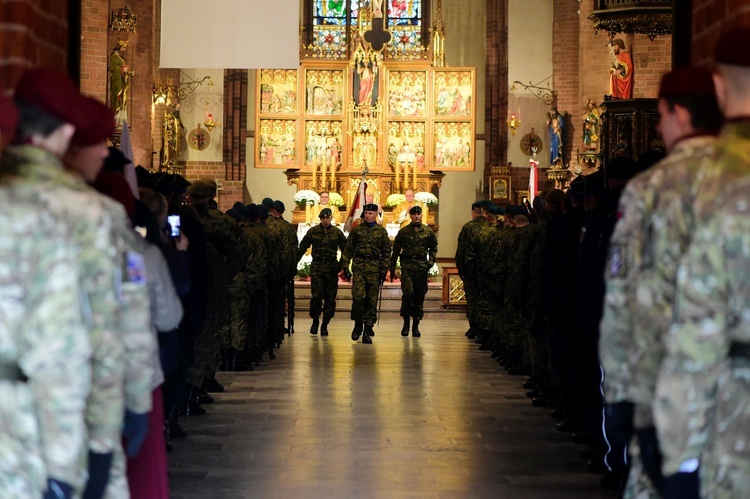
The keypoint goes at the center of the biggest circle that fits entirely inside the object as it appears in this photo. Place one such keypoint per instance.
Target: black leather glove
(682, 486)
(650, 455)
(135, 429)
(58, 490)
(347, 274)
(618, 422)
(99, 465)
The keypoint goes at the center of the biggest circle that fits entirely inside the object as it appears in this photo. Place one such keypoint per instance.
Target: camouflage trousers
(324, 287)
(239, 306)
(365, 289)
(413, 291)
(639, 485)
(208, 343)
(276, 301)
(471, 291)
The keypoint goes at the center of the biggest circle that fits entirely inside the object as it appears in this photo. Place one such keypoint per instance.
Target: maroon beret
(53, 93)
(100, 125)
(686, 81)
(732, 47)
(8, 116)
(114, 185)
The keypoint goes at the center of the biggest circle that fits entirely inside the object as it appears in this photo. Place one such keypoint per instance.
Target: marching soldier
(416, 246)
(465, 269)
(369, 250)
(326, 240)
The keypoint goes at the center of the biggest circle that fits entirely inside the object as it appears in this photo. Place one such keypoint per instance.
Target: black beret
(578, 185)
(234, 214)
(555, 196)
(238, 205)
(199, 190)
(253, 212)
(595, 182)
(325, 213)
(115, 161)
(495, 210)
(262, 212)
(370, 207)
(268, 203)
(477, 204)
(279, 206)
(686, 81)
(415, 210)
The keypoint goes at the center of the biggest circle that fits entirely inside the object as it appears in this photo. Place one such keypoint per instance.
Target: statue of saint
(119, 80)
(590, 126)
(172, 134)
(621, 72)
(555, 127)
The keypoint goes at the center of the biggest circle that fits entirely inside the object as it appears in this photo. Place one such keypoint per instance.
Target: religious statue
(590, 126)
(621, 72)
(367, 80)
(119, 80)
(172, 134)
(555, 127)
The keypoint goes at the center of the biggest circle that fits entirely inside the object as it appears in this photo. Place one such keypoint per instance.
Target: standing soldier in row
(416, 246)
(369, 250)
(326, 241)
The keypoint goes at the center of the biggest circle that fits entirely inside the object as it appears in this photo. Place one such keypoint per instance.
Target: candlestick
(315, 173)
(414, 169)
(308, 212)
(398, 172)
(323, 170)
(333, 173)
(406, 175)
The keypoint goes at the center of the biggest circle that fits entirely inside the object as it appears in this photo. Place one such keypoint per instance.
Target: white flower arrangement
(335, 199)
(303, 266)
(427, 198)
(395, 200)
(305, 197)
(434, 271)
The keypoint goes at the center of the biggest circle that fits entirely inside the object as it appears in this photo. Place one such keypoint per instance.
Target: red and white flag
(355, 212)
(533, 179)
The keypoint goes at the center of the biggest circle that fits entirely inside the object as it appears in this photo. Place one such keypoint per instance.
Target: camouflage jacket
(326, 242)
(256, 265)
(417, 249)
(654, 227)
(272, 241)
(369, 250)
(42, 332)
(701, 390)
(287, 251)
(224, 234)
(468, 231)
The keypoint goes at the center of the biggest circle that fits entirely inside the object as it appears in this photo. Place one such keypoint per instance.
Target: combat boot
(324, 327)
(366, 335)
(314, 327)
(405, 329)
(415, 329)
(357, 331)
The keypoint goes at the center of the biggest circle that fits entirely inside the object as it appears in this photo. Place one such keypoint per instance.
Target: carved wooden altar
(371, 103)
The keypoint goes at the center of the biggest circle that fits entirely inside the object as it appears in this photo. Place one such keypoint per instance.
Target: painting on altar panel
(454, 93)
(453, 147)
(366, 78)
(325, 92)
(407, 93)
(323, 143)
(406, 144)
(276, 144)
(278, 91)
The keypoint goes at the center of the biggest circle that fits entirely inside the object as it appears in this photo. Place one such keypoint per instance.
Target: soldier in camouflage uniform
(286, 252)
(416, 246)
(291, 235)
(369, 250)
(273, 242)
(326, 241)
(465, 272)
(701, 405)
(656, 222)
(45, 340)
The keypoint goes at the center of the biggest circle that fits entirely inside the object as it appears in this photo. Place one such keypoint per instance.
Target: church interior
(455, 100)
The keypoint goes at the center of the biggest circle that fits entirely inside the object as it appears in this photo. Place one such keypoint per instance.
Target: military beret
(510, 211)
(235, 214)
(53, 93)
(253, 212)
(325, 213)
(279, 206)
(495, 210)
(262, 212)
(477, 204)
(114, 185)
(8, 116)
(621, 168)
(415, 210)
(238, 206)
(101, 124)
(268, 203)
(595, 182)
(370, 207)
(686, 81)
(578, 185)
(199, 190)
(732, 47)
(115, 161)
(555, 196)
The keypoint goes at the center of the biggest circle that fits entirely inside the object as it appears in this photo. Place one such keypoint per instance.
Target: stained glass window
(333, 20)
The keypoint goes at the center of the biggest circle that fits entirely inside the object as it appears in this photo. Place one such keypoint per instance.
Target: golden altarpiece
(373, 95)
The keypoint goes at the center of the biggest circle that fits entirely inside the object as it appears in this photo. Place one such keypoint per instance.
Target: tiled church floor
(329, 418)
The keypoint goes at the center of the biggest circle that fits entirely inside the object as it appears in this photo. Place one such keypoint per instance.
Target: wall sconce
(514, 118)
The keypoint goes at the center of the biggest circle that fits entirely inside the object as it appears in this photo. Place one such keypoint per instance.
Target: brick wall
(95, 47)
(566, 65)
(710, 19)
(232, 190)
(32, 33)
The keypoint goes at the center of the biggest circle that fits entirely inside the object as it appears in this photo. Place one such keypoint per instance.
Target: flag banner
(355, 211)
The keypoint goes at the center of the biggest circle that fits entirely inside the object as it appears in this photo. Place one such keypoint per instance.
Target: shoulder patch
(616, 261)
(135, 268)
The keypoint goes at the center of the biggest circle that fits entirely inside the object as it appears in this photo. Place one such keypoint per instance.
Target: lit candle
(323, 166)
(333, 173)
(414, 169)
(406, 175)
(398, 172)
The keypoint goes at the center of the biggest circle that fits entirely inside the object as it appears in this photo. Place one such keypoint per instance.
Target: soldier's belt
(11, 372)
(739, 350)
